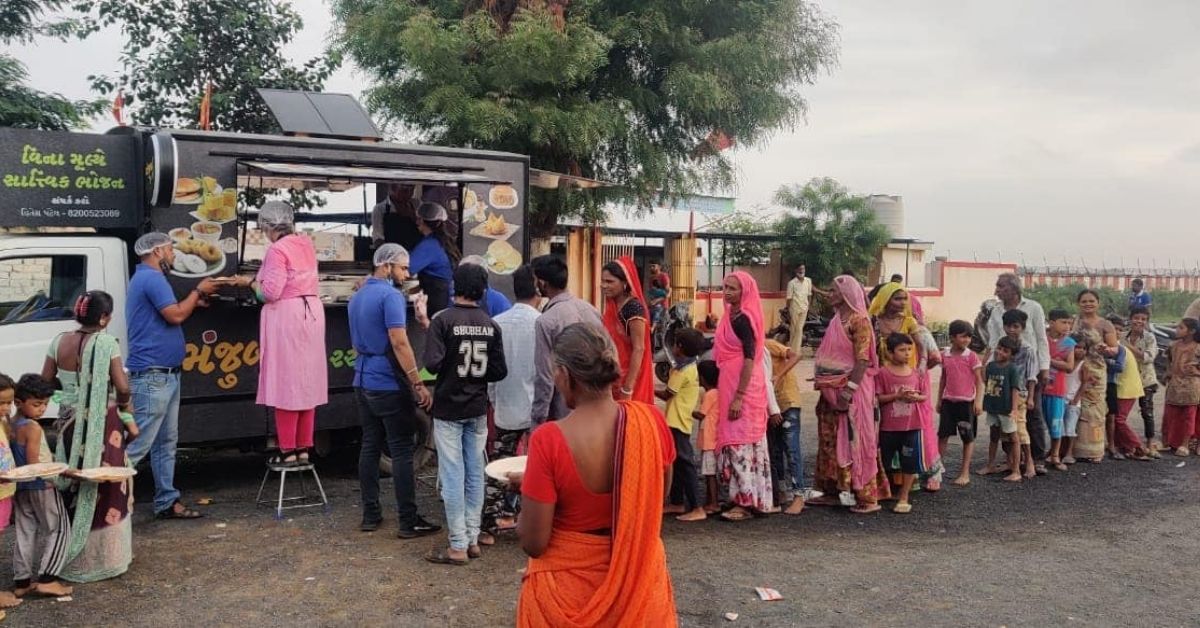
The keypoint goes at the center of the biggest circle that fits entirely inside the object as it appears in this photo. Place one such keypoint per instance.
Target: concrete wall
(891, 261)
(20, 279)
(958, 289)
(1182, 280)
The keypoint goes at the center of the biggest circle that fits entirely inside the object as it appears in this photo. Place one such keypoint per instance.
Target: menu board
(54, 179)
(492, 219)
(202, 217)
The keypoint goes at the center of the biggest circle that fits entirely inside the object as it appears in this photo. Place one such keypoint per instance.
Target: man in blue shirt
(386, 378)
(156, 350)
(1138, 297)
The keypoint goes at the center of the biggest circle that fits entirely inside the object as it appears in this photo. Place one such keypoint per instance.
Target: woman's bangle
(626, 391)
(411, 370)
(851, 385)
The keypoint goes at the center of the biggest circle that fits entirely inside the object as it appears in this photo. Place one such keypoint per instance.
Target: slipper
(1069, 460)
(474, 552)
(902, 508)
(171, 513)
(1060, 466)
(866, 510)
(441, 556)
(824, 500)
(735, 515)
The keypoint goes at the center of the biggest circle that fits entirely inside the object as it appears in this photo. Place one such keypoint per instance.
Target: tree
(743, 253)
(642, 93)
(20, 105)
(830, 231)
(174, 48)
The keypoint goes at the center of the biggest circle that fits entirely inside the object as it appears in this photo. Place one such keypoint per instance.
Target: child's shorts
(708, 463)
(1071, 421)
(904, 448)
(1110, 398)
(958, 417)
(1003, 421)
(1018, 416)
(1054, 410)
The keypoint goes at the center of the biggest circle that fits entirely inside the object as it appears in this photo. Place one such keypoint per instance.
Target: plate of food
(473, 207)
(219, 206)
(187, 191)
(502, 258)
(34, 471)
(107, 474)
(499, 469)
(494, 227)
(195, 258)
(503, 197)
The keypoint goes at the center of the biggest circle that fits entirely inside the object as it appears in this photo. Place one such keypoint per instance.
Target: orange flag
(118, 107)
(206, 107)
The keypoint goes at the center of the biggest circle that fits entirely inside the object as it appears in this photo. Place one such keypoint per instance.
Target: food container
(180, 234)
(206, 230)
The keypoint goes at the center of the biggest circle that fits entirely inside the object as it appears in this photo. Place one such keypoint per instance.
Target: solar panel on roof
(318, 114)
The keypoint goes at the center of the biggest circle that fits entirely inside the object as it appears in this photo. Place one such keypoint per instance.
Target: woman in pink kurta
(292, 376)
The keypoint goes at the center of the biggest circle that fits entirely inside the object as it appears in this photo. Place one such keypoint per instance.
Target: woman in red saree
(628, 322)
(593, 490)
(847, 439)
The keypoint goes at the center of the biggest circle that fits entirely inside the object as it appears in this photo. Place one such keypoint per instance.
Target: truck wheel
(424, 446)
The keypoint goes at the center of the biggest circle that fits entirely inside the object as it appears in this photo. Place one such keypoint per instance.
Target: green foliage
(1169, 306)
(622, 91)
(743, 253)
(828, 229)
(173, 47)
(20, 105)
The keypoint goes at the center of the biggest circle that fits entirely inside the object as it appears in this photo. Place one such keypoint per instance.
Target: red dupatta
(643, 389)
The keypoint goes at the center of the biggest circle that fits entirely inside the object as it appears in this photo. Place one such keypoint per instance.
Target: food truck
(72, 204)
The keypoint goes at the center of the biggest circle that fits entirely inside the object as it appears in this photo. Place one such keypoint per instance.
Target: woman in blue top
(434, 257)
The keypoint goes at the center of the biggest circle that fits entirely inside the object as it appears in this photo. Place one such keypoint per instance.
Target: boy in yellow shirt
(783, 430)
(682, 396)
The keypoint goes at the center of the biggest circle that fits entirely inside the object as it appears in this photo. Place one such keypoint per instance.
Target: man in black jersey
(465, 351)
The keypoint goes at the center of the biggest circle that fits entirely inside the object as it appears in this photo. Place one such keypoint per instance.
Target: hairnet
(432, 212)
(476, 260)
(390, 253)
(276, 214)
(150, 241)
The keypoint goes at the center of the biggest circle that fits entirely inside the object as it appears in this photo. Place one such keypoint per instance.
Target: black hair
(1138, 281)
(1058, 314)
(6, 382)
(1193, 325)
(588, 354)
(1012, 344)
(897, 339)
(897, 278)
(960, 327)
(1013, 317)
(709, 372)
(523, 285)
(550, 269)
(1116, 320)
(470, 282)
(1137, 309)
(92, 306)
(691, 341)
(1087, 291)
(32, 386)
(618, 271)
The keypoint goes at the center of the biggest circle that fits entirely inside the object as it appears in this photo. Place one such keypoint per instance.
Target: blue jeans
(791, 424)
(156, 410)
(460, 472)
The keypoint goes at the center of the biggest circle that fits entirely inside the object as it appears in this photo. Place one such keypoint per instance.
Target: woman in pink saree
(292, 376)
(848, 441)
(745, 464)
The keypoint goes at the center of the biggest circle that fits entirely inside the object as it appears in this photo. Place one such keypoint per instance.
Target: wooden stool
(305, 499)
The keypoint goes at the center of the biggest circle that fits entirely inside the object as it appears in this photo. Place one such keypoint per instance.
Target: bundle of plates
(107, 474)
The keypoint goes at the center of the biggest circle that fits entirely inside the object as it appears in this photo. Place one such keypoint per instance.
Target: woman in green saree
(92, 433)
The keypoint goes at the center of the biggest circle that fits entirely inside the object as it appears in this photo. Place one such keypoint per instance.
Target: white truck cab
(41, 276)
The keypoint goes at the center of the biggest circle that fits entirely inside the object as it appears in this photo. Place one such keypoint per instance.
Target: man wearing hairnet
(387, 389)
(156, 350)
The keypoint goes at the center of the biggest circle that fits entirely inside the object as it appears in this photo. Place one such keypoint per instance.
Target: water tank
(889, 211)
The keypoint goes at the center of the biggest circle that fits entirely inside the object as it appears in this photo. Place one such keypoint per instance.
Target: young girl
(8, 390)
(903, 394)
(1093, 389)
(708, 414)
(1180, 427)
(1071, 416)
(1129, 391)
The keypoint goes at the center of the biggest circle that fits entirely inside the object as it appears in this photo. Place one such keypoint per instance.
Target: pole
(907, 248)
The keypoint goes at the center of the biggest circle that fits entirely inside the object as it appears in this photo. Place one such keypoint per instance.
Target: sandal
(902, 508)
(474, 552)
(302, 456)
(441, 556)
(736, 514)
(183, 513)
(865, 510)
(284, 459)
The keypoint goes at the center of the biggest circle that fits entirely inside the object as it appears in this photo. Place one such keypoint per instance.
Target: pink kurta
(292, 372)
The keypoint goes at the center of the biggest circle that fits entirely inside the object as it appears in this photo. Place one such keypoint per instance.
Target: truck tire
(423, 454)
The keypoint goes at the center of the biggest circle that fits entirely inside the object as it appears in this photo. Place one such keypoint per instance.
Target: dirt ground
(1100, 545)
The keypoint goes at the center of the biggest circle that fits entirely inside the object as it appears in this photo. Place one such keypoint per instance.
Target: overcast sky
(1022, 129)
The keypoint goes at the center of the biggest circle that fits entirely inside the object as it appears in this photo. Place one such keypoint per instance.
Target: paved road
(1110, 544)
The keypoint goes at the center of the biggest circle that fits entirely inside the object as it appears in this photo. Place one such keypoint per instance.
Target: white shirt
(1033, 337)
(512, 397)
(799, 293)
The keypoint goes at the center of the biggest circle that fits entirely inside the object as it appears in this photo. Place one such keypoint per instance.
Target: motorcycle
(814, 329)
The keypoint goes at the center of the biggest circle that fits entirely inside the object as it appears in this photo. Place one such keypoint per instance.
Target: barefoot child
(7, 489)
(1000, 397)
(784, 439)
(1092, 396)
(682, 395)
(1183, 388)
(904, 406)
(960, 396)
(709, 411)
(41, 517)
(1143, 348)
(1024, 359)
(1129, 392)
(1074, 379)
(1054, 393)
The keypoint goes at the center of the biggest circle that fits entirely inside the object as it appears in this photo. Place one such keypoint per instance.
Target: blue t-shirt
(1116, 364)
(1140, 300)
(377, 307)
(152, 340)
(429, 258)
(495, 303)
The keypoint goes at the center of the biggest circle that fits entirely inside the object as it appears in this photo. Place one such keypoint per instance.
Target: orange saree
(619, 580)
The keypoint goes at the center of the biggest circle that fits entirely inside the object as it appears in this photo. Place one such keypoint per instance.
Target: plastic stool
(306, 499)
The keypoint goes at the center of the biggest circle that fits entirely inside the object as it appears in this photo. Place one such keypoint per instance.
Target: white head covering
(276, 215)
(150, 241)
(390, 253)
(433, 212)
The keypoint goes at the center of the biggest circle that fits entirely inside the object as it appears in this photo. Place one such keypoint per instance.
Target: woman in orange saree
(628, 323)
(593, 490)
